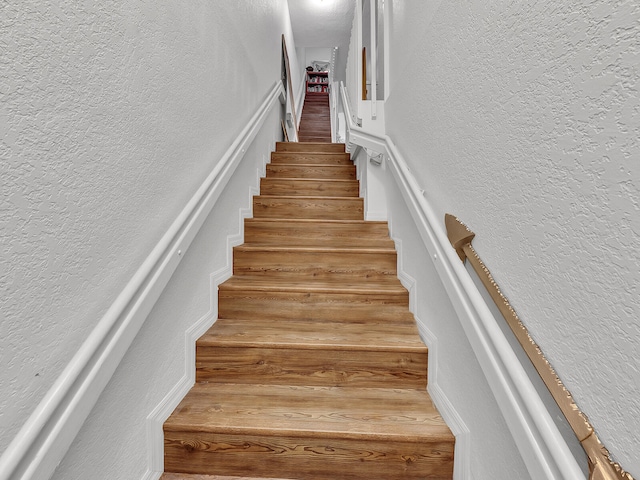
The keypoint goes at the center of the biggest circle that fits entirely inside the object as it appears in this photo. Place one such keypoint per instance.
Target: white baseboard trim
(156, 419)
(373, 216)
(462, 455)
(45, 438)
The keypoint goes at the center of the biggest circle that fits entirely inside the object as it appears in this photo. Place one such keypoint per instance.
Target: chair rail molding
(540, 443)
(44, 439)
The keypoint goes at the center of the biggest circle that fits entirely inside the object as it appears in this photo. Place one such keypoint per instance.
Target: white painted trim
(333, 108)
(373, 215)
(44, 439)
(462, 454)
(358, 56)
(387, 48)
(543, 449)
(373, 36)
(301, 97)
(156, 419)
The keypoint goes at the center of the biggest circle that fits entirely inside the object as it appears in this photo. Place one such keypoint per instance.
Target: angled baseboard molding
(540, 443)
(156, 419)
(461, 458)
(45, 438)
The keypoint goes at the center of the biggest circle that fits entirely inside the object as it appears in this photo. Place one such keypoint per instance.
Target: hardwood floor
(315, 123)
(186, 476)
(314, 369)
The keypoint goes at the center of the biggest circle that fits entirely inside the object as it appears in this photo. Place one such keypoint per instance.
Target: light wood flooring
(315, 122)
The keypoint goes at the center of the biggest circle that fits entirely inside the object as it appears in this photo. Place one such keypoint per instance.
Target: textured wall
(524, 120)
(111, 113)
(113, 442)
(488, 453)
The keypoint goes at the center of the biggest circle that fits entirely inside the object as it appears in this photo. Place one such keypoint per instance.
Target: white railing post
(374, 57)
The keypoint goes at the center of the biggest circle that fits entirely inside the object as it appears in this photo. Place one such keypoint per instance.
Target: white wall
(353, 81)
(523, 121)
(113, 443)
(320, 54)
(111, 114)
(488, 451)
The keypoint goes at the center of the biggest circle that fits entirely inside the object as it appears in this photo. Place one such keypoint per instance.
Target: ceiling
(324, 23)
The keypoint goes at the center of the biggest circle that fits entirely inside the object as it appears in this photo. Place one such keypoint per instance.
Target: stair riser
(310, 159)
(332, 307)
(344, 172)
(322, 123)
(319, 129)
(310, 147)
(318, 208)
(308, 458)
(319, 188)
(321, 367)
(318, 233)
(305, 138)
(355, 266)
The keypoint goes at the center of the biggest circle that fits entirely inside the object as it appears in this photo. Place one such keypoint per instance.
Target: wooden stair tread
(312, 221)
(307, 197)
(334, 187)
(317, 232)
(297, 166)
(314, 138)
(311, 263)
(293, 352)
(314, 249)
(313, 179)
(335, 304)
(309, 411)
(311, 170)
(310, 158)
(195, 476)
(304, 206)
(314, 335)
(267, 284)
(310, 147)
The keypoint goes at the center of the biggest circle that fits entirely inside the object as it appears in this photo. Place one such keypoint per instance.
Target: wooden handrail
(601, 467)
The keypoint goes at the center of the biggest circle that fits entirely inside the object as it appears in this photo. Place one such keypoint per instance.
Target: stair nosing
(274, 431)
(312, 153)
(317, 347)
(329, 399)
(311, 179)
(338, 289)
(316, 220)
(315, 197)
(231, 343)
(313, 165)
(258, 247)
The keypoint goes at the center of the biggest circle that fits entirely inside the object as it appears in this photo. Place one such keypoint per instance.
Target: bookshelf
(317, 83)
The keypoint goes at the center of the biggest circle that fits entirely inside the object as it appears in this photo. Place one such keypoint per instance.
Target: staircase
(314, 368)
